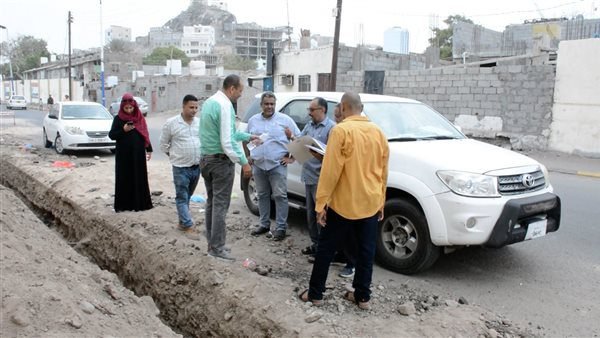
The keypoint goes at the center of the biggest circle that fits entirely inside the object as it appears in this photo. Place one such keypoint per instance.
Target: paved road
(552, 281)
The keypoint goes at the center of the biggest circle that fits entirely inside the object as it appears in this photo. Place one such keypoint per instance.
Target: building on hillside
(250, 40)
(197, 40)
(117, 33)
(163, 37)
(396, 40)
(220, 4)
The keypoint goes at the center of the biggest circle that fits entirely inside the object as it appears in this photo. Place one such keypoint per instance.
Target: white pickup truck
(444, 190)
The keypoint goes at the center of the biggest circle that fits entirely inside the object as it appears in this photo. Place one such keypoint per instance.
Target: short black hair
(189, 97)
(322, 103)
(231, 80)
(267, 94)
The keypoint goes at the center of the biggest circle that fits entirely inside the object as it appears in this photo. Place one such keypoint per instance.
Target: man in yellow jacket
(350, 198)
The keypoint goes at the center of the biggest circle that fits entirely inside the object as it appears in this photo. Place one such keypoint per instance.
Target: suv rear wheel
(403, 241)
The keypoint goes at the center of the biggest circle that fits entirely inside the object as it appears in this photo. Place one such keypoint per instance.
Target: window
(304, 83)
(114, 67)
(208, 87)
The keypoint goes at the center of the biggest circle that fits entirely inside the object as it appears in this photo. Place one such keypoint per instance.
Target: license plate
(98, 139)
(536, 229)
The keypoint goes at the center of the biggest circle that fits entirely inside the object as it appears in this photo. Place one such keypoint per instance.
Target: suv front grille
(521, 183)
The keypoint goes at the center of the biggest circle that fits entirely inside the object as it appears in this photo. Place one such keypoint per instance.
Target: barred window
(304, 83)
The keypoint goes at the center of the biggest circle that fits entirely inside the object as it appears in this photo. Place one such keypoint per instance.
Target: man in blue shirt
(318, 128)
(269, 161)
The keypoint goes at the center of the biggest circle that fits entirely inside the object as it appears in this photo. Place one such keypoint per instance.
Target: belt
(219, 156)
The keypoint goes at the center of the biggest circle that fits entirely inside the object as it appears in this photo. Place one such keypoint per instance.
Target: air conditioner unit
(286, 79)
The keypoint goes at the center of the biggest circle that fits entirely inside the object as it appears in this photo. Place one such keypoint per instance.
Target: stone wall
(512, 101)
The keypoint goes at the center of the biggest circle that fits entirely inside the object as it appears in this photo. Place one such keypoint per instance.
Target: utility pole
(102, 57)
(70, 21)
(336, 45)
(12, 85)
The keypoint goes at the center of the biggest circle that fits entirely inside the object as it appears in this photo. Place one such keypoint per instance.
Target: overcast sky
(362, 20)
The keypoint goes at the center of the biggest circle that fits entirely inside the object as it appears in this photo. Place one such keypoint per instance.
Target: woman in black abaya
(133, 149)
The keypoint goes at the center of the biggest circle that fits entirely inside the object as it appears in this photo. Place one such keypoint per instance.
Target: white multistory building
(197, 40)
(117, 33)
(396, 40)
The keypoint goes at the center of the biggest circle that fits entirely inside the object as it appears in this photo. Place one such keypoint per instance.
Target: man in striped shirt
(180, 141)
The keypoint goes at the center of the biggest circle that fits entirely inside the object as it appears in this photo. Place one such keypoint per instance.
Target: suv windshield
(410, 121)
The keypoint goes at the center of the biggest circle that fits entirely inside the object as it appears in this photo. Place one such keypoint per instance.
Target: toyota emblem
(528, 180)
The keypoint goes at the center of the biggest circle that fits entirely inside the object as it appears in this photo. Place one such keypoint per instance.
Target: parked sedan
(16, 101)
(114, 107)
(77, 126)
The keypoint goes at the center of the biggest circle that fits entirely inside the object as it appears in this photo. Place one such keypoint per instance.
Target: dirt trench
(194, 295)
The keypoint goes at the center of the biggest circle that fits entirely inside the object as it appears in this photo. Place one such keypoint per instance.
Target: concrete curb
(594, 174)
(588, 174)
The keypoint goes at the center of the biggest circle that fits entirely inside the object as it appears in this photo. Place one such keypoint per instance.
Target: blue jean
(332, 235)
(186, 180)
(272, 183)
(311, 214)
(218, 174)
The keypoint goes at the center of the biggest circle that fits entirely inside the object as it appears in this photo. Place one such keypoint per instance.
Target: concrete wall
(163, 92)
(575, 124)
(513, 101)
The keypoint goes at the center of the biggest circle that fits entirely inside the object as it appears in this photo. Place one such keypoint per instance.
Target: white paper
(261, 139)
(299, 148)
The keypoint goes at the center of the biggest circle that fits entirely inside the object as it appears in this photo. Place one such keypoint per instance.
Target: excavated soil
(197, 295)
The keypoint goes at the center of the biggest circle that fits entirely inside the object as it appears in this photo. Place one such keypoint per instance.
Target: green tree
(443, 37)
(120, 46)
(238, 63)
(160, 55)
(24, 53)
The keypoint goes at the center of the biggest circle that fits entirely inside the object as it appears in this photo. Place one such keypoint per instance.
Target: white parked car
(143, 105)
(77, 126)
(444, 190)
(16, 101)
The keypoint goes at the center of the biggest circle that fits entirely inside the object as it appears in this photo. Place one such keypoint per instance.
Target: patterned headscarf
(136, 117)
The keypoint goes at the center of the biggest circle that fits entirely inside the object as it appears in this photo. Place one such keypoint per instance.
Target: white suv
(443, 189)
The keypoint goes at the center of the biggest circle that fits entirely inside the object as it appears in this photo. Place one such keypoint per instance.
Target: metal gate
(374, 81)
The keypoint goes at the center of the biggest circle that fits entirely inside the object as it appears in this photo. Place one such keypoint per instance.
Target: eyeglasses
(313, 109)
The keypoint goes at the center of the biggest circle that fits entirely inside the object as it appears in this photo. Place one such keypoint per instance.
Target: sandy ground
(49, 289)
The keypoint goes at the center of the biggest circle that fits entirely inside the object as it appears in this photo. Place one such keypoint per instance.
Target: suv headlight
(546, 175)
(469, 184)
(73, 130)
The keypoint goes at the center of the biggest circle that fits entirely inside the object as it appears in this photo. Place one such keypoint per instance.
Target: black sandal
(303, 296)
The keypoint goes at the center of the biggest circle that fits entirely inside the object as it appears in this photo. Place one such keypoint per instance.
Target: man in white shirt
(181, 142)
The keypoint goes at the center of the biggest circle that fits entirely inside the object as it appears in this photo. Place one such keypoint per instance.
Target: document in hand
(299, 148)
(317, 146)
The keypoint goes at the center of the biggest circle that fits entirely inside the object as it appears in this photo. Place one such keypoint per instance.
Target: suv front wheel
(403, 241)
(250, 195)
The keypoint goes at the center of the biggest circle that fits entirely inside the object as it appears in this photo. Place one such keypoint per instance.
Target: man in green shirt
(220, 150)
